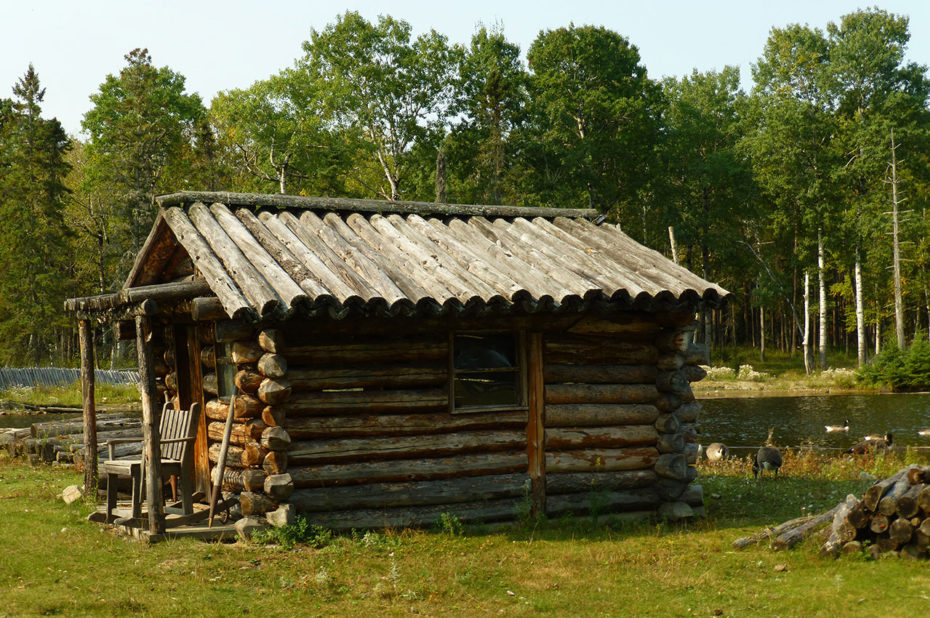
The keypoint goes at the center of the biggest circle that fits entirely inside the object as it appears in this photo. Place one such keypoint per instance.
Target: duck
(872, 444)
(832, 428)
(717, 451)
(767, 458)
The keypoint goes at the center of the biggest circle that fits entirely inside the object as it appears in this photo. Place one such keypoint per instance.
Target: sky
(222, 45)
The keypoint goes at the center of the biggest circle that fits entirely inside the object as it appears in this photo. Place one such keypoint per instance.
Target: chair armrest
(111, 443)
(173, 440)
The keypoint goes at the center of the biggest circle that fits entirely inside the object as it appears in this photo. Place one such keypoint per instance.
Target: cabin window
(487, 372)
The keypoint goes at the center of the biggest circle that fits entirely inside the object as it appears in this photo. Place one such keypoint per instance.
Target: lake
(745, 421)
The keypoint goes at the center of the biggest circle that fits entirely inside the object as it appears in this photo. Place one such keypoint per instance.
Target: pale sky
(219, 45)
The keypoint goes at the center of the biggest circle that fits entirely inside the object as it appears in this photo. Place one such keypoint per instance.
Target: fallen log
(790, 538)
(840, 532)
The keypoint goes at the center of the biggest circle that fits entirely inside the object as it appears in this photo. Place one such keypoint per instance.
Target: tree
(595, 119)
(33, 236)
(281, 133)
(490, 103)
(139, 126)
(387, 89)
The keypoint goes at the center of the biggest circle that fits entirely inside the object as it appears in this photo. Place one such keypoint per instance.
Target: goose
(717, 451)
(768, 458)
(924, 433)
(832, 428)
(872, 444)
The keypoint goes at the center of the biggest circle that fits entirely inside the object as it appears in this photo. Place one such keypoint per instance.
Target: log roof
(277, 256)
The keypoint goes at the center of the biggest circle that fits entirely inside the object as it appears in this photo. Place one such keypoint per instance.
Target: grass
(56, 563)
(69, 395)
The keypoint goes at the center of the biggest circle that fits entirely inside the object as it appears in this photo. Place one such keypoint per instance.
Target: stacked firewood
(893, 517)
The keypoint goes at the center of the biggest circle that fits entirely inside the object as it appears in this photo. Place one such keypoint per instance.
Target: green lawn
(54, 562)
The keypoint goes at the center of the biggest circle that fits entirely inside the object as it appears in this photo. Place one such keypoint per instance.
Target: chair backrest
(175, 425)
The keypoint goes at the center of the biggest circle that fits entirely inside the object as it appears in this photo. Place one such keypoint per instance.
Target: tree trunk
(761, 333)
(896, 251)
(860, 311)
(805, 336)
(823, 302)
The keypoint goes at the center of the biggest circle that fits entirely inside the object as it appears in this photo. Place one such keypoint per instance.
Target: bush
(901, 370)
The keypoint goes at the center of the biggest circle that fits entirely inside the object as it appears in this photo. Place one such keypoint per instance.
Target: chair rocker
(177, 431)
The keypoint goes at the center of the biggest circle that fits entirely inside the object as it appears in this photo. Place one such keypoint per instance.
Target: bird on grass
(872, 444)
(768, 458)
(833, 428)
(717, 451)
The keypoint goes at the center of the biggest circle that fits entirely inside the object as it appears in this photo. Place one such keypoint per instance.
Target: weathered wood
(667, 422)
(772, 532)
(416, 493)
(171, 382)
(600, 374)
(923, 501)
(601, 460)
(696, 354)
(853, 547)
(577, 482)
(858, 517)
(303, 404)
(875, 493)
(599, 415)
(900, 531)
(408, 469)
(89, 411)
(602, 502)
(536, 428)
(670, 362)
(668, 402)
(309, 427)
(557, 394)
(248, 381)
(274, 416)
(150, 421)
(412, 516)
(559, 438)
(272, 365)
(888, 505)
(673, 340)
(375, 353)
(274, 391)
(279, 487)
(396, 376)
(124, 330)
(248, 454)
(639, 325)
(244, 352)
(917, 475)
(878, 523)
(271, 340)
(671, 443)
(205, 308)
(241, 432)
(399, 447)
(689, 412)
(587, 350)
(907, 503)
(694, 373)
(275, 439)
(209, 383)
(840, 532)
(105, 423)
(208, 357)
(672, 466)
(247, 406)
(254, 503)
(275, 462)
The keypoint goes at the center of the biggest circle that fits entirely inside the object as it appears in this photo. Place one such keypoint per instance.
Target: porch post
(88, 364)
(150, 421)
(535, 429)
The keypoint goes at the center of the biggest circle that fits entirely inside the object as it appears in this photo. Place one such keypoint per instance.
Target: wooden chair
(177, 431)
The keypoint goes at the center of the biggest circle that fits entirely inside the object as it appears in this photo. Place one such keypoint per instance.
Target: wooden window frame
(520, 353)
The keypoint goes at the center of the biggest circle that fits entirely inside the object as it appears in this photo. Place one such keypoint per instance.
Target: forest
(806, 197)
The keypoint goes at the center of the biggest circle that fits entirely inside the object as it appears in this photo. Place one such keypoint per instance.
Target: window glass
(486, 371)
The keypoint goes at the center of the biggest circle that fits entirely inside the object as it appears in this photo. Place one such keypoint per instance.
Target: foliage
(33, 234)
(449, 523)
(901, 370)
(300, 532)
(69, 395)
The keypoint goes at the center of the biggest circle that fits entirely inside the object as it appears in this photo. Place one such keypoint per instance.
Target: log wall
(355, 428)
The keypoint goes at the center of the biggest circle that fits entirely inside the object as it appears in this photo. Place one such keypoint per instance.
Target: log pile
(63, 441)
(891, 518)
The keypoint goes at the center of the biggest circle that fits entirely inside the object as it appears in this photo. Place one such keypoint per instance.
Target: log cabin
(394, 361)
